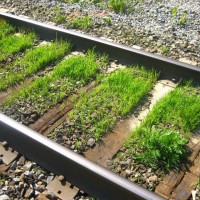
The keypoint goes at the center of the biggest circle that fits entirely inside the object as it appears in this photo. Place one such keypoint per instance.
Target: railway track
(64, 113)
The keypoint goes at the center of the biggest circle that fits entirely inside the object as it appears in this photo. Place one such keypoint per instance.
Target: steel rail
(168, 68)
(80, 172)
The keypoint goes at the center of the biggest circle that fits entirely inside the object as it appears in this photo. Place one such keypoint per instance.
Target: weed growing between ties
(5, 28)
(15, 43)
(160, 141)
(64, 80)
(96, 113)
(33, 61)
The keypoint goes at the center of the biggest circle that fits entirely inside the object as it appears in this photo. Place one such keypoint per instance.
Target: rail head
(168, 68)
(81, 172)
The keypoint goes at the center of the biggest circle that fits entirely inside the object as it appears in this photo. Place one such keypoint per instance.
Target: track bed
(105, 110)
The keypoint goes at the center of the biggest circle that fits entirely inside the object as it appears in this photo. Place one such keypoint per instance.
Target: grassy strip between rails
(96, 113)
(33, 61)
(161, 139)
(65, 78)
(15, 43)
(5, 28)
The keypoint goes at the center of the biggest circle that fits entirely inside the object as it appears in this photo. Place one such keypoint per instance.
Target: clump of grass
(13, 44)
(164, 49)
(95, 1)
(118, 93)
(107, 20)
(183, 16)
(162, 137)
(80, 22)
(183, 19)
(117, 5)
(65, 78)
(60, 18)
(174, 11)
(5, 28)
(180, 109)
(123, 6)
(163, 148)
(33, 61)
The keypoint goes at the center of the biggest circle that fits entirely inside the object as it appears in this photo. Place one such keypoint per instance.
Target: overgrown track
(102, 183)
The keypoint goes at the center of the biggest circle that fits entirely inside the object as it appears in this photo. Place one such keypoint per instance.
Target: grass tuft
(117, 5)
(180, 109)
(164, 148)
(13, 44)
(5, 28)
(33, 61)
(80, 22)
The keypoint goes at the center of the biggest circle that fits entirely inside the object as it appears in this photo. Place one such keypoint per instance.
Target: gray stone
(28, 173)
(28, 193)
(153, 178)
(16, 180)
(4, 143)
(21, 161)
(61, 178)
(13, 165)
(4, 197)
(128, 172)
(49, 179)
(91, 142)
(41, 176)
(5, 188)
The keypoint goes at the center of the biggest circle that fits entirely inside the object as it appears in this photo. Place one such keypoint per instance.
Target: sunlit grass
(115, 97)
(65, 78)
(34, 60)
(179, 110)
(161, 139)
(14, 43)
(5, 28)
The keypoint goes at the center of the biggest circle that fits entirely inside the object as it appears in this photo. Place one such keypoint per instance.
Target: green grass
(5, 28)
(174, 11)
(117, 5)
(123, 6)
(162, 137)
(13, 44)
(33, 61)
(180, 108)
(65, 78)
(118, 93)
(80, 22)
(60, 18)
(161, 147)
(183, 19)
(164, 49)
(107, 20)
